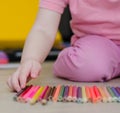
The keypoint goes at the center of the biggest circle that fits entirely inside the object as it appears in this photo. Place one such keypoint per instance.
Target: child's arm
(36, 49)
(42, 36)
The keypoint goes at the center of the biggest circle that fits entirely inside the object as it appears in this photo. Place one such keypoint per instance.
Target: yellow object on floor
(16, 19)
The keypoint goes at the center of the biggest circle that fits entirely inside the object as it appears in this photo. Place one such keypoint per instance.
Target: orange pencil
(87, 89)
(69, 98)
(93, 95)
(108, 96)
(104, 99)
(55, 97)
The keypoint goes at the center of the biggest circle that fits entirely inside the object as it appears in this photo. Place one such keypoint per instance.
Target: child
(94, 54)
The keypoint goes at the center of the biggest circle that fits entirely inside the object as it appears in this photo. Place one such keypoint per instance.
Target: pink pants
(91, 58)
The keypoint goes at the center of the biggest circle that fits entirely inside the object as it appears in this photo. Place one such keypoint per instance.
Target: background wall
(16, 19)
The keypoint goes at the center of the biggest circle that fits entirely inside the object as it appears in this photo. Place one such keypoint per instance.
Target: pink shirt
(90, 17)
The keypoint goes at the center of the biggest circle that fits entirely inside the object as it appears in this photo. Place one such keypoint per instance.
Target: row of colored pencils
(61, 93)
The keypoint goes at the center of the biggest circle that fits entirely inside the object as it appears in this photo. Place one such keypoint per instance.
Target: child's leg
(91, 58)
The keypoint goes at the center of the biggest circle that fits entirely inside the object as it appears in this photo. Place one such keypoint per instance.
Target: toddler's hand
(26, 71)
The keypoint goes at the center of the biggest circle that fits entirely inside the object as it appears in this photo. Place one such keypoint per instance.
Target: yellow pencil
(84, 96)
(36, 96)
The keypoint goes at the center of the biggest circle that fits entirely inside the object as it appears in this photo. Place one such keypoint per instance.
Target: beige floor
(7, 105)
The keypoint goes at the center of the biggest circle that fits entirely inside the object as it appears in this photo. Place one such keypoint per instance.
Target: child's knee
(63, 66)
(85, 71)
(87, 62)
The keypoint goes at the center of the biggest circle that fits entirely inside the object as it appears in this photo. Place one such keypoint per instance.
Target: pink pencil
(21, 96)
(74, 93)
(22, 99)
(29, 95)
(32, 93)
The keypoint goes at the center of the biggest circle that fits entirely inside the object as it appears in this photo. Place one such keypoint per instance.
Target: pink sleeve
(55, 5)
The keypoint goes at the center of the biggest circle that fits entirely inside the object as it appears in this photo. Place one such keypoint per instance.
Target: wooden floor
(7, 105)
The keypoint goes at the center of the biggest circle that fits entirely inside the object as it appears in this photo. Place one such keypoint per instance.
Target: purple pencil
(116, 94)
(65, 95)
(118, 90)
(79, 95)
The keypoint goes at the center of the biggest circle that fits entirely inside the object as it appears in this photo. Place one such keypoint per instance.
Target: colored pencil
(30, 94)
(22, 95)
(104, 98)
(43, 93)
(74, 93)
(55, 97)
(79, 95)
(65, 95)
(84, 96)
(88, 93)
(116, 94)
(36, 96)
(93, 95)
(19, 93)
(45, 98)
(60, 96)
(52, 92)
(114, 99)
(109, 98)
(97, 93)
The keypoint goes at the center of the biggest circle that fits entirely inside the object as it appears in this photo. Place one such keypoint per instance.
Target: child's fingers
(36, 68)
(9, 83)
(13, 82)
(23, 76)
